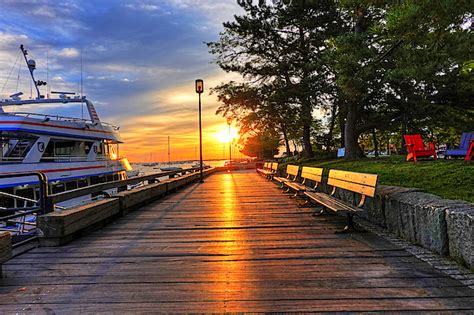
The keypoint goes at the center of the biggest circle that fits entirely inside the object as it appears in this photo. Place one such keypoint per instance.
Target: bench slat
(360, 189)
(359, 178)
(357, 182)
(332, 203)
(292, 170)
(312, 173)
(297, 186)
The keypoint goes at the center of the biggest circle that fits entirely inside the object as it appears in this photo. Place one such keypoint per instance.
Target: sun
(223, 136)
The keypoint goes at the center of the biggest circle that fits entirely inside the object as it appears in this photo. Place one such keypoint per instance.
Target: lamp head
(199, 86)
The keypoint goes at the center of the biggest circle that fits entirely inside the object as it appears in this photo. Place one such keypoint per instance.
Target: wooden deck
(232, 244)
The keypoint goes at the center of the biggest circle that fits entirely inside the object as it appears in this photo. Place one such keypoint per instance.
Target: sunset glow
(224, 136)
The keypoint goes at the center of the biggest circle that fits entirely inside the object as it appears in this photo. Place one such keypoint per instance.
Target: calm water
(145, 170)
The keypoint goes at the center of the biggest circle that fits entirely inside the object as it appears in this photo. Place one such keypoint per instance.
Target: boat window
(82, 182)
(110, 178)
(102, 178)
(57, 188)
(87, 147)
(116, 177)
(7, 202)
(62, 148)
(94, 180)
(71, 185)
(26, 193)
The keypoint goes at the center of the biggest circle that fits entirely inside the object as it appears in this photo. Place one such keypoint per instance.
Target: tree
(282, 48)
(403, 62)
(263, 145)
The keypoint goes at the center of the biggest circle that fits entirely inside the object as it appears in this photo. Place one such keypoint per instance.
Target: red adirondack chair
(417, 149)
(470, 152)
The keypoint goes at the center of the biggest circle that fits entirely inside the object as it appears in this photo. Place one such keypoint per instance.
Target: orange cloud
(176, 116)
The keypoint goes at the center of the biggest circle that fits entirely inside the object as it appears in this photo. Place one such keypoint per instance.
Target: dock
(232, 244)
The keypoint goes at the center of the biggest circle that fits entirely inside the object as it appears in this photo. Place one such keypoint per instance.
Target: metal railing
(60, 118)
(52, 200)
(15, 220)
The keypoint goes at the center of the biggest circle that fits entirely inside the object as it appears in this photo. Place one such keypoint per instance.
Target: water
(146, 170)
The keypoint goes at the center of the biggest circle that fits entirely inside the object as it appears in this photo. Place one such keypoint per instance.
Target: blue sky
(140, 59)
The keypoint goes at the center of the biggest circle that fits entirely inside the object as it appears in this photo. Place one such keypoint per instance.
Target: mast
(169, 151)
(31, 67)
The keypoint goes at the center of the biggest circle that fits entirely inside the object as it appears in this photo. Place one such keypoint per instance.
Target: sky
(139, 63)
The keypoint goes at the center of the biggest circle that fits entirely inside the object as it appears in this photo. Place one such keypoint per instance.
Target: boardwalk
(232, 244)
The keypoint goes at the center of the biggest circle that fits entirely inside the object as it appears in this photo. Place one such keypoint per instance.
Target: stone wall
(443, 226)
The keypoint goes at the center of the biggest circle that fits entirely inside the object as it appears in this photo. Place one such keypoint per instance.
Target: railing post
(46, 202)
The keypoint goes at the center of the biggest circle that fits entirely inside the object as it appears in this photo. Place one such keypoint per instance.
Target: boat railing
(60, 118)
(59, 159)
(16, 220)
(120, 185)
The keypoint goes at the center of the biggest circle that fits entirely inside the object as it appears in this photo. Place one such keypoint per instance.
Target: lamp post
(229, 122)
(199, 91)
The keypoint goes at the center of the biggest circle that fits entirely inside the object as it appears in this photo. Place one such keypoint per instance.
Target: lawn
(450, 179)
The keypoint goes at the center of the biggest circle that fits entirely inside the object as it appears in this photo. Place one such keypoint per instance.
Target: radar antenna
(31, 67)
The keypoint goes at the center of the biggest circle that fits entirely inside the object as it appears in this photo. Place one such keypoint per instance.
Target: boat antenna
(82, 94)
(31, 67)
(48, 90)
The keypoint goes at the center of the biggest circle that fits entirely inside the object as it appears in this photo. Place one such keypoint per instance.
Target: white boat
(71, 152)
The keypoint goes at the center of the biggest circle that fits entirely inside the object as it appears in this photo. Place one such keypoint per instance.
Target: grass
(449, 179)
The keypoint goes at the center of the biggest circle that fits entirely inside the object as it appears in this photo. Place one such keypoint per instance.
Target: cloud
(140, 60)
(68, 52)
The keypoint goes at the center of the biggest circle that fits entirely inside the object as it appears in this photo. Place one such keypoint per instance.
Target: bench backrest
(312, 173)
(292, 170)
(360, 183)
(275, 167)
(414, 143)
(466, 139)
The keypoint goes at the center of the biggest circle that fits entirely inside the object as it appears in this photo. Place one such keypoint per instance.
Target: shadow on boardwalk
(233, 244)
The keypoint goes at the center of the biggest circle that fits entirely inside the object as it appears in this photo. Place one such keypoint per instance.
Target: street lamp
(199, 91)
(229, 122)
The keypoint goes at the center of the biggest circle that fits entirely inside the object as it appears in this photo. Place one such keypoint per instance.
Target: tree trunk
(403, 148)
(329, 136)
(341, 117)
(351, 135)
(306, 122)
(376, 143)
(287, 142)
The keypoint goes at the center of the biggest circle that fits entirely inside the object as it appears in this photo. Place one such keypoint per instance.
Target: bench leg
(320, 213)
(306, 204)
(295, 195)
(350, 228)
(287, 190)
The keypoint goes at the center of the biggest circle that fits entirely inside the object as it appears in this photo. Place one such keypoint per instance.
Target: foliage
(379, 69)
(262, 145)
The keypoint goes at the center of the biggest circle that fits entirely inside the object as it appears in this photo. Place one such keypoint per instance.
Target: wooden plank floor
(233, 244)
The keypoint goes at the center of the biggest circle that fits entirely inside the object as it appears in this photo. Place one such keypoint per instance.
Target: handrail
(63, 196)
(43, 186)
(60, 118)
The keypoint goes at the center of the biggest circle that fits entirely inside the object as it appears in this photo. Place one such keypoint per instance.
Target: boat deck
(232, 244)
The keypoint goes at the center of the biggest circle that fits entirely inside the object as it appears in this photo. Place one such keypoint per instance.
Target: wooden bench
(313, 174)
(358, 183)
(291, 176)
(267, 167)
(269, 173)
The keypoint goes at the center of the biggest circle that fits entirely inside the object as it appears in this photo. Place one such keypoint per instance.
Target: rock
(460, 228)
(419, 218)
